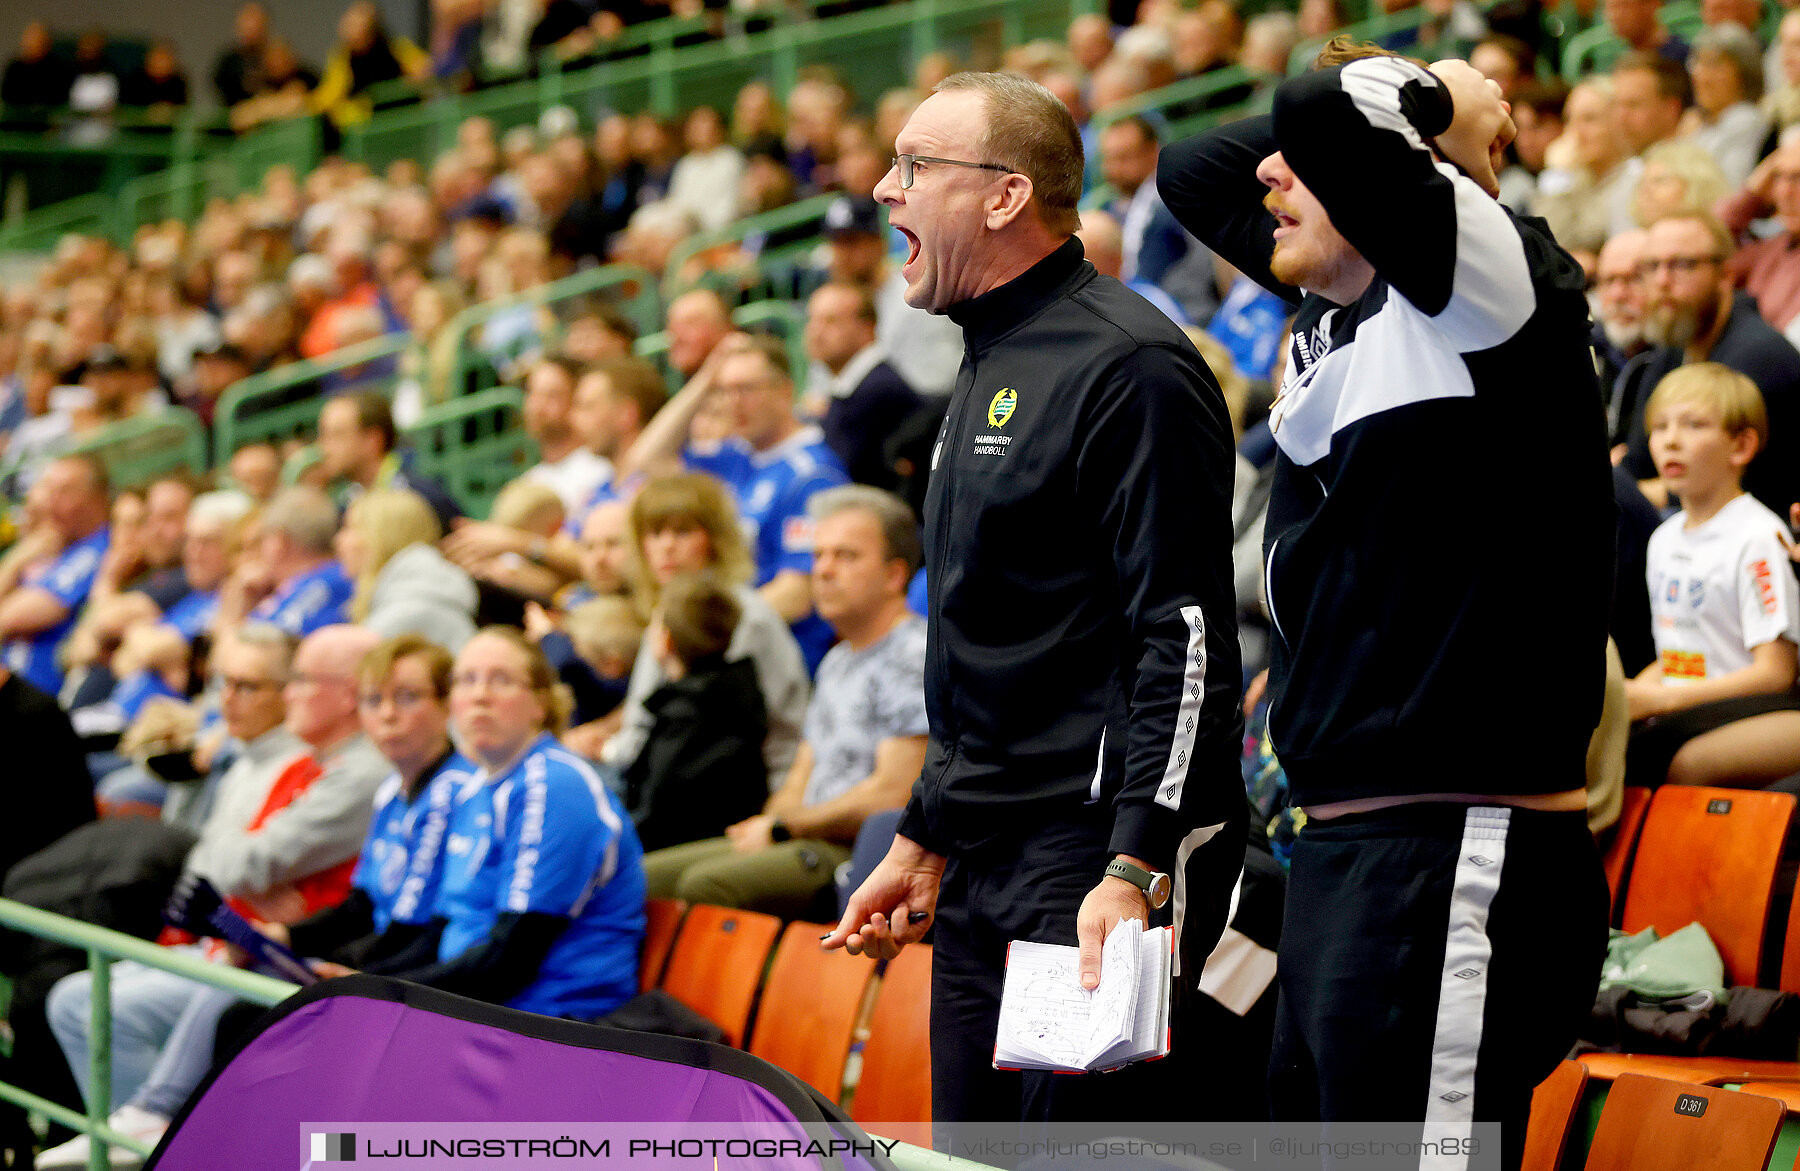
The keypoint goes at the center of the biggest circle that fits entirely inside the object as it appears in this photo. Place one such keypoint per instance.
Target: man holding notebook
(1081, 666)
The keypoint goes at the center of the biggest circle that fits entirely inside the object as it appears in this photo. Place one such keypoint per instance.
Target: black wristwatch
(1153, 883)
(779, 831)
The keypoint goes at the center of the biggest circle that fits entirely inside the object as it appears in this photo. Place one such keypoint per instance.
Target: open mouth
(912, 246)
(1672, 471)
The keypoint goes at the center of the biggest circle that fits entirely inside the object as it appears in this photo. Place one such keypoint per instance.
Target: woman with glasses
(404, 703)
(541, 906)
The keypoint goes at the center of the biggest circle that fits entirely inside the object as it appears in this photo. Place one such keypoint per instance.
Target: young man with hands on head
(1446, 915)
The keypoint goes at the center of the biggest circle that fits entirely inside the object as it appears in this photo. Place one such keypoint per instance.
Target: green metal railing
(473, 445)
(875, 48)
(1375, 28)
(282, 403)
(631, 288)
(807, 212)
(784, 319)
(102, 948)
(1183, 105)
(52, 152)
(138, 450)
(179, 190)
(1597, 47)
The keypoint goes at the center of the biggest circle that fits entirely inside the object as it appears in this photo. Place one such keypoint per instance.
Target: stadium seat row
(811, 1005)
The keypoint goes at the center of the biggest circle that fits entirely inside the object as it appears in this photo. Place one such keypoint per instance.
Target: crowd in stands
(686, 628)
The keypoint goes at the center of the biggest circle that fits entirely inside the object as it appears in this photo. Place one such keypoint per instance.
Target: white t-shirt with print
(1720, 590)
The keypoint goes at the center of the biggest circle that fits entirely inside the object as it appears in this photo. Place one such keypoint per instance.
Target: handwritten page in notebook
(1049, 1021)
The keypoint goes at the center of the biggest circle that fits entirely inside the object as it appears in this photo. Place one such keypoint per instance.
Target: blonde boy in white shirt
(1726, 611)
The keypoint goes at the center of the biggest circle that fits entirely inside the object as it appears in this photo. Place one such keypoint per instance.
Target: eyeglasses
(1608, 280)
(229, 683)
(307, 679)
(400, 697)
(907, 163)
(744, 387)
(1675, 264)
(498, 682)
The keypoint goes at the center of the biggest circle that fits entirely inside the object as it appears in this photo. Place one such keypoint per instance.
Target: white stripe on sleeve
(1187, 717)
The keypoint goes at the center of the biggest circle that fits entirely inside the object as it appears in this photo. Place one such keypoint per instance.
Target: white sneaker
(128, 1120)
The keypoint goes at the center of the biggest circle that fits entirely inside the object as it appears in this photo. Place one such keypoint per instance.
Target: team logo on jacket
(1003, 406)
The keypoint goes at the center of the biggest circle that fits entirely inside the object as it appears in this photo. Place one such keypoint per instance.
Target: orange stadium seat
(894, 1096)
(1650, 1124)
(1786, 1091)
(1710, 856)
(1624, 843)
(1553, 1107)
(717, 964)
(810, 1005)
(1702, 1071)
(663, 919)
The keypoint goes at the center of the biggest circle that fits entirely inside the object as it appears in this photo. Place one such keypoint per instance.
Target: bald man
(1104, 243)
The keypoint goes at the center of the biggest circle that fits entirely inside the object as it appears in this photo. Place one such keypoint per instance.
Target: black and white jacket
(1439, 543)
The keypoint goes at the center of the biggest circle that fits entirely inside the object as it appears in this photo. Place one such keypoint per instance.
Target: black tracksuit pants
(1032, 889)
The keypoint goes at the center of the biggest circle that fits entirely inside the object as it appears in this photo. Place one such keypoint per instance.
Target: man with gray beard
(1693, 315)
(1617, 303)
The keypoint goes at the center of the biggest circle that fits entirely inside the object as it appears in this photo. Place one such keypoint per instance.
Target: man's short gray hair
(1032, 132)
(223, 507)
(277, 643)
(899, 527)
(306, 515)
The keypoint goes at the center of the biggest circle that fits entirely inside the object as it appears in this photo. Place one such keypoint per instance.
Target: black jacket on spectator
(238, 75)
(595, 694)
(561, 17)
(1752, 347)
(702, 768)
(36, 83)
(140, 89)
(50, 791)
(858, 426)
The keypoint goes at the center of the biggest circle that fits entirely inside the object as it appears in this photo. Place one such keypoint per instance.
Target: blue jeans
(163, 1028)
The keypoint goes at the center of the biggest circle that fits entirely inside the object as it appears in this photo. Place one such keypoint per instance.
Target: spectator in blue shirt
(215, 525)
(541, 907)
(774, 464)
(46, 576)
(289, 578)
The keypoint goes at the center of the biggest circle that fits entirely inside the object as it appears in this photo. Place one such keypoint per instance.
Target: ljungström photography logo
(333, 1148)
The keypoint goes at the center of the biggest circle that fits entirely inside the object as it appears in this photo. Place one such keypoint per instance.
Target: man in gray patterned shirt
(864, 736)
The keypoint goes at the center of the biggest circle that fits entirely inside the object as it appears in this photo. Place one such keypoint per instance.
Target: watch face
(1158, 893)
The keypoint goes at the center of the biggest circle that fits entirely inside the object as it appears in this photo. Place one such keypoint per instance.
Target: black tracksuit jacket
(1082, 657)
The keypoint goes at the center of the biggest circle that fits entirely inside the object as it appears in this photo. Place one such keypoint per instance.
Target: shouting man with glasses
(1081, 669)
(1692, 315)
